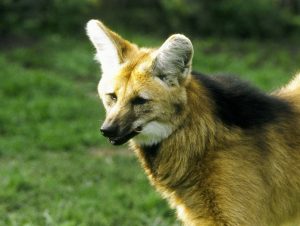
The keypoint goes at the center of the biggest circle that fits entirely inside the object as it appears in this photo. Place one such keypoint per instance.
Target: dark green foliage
(32, 17)
(255, 18)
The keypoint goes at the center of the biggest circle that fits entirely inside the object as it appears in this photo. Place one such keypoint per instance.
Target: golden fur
(212, 173)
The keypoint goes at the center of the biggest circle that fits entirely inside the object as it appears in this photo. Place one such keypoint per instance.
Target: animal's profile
(220, 151)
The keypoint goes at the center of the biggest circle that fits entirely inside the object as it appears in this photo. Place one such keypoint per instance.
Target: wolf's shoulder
(238, 103)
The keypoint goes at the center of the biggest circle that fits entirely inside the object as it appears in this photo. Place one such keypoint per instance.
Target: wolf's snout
(116, 134)
(110, 130)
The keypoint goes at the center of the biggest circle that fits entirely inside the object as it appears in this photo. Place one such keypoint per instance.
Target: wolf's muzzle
(115, 136)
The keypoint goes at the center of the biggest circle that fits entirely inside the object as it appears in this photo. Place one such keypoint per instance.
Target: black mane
(239, 104)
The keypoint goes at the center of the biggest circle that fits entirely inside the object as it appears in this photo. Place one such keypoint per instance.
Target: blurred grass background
(55, 167)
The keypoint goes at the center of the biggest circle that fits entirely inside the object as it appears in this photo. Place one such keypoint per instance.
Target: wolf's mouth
(123, 139)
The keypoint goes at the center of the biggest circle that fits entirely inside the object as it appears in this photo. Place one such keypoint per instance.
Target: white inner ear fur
(107, 53)
(173, 59)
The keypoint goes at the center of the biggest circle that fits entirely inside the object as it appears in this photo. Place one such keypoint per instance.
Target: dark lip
(123, 139)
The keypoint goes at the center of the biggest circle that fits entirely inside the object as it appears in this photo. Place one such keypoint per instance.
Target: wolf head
(142, 89)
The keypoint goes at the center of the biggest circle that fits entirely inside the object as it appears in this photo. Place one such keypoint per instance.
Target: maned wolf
(220, 151)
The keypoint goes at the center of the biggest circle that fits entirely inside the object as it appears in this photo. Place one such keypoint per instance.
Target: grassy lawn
(55, 168)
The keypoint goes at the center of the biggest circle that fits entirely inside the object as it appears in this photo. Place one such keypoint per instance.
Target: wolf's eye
(112, 96)
(139, 101)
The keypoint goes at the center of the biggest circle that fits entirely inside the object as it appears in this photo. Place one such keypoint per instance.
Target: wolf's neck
(168, 161)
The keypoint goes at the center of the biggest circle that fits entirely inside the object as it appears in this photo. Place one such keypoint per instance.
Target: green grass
(55, 168)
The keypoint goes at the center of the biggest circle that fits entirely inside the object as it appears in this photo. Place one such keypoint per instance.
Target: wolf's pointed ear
(112, 50)
(172, 64)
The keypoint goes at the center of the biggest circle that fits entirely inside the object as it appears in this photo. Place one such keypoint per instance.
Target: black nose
(109, 130)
